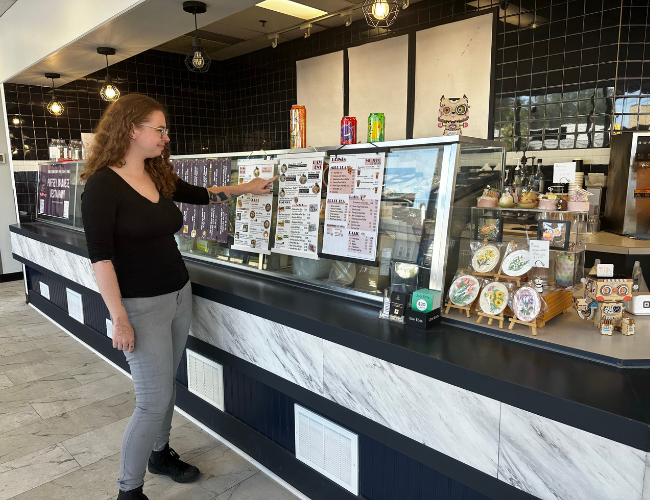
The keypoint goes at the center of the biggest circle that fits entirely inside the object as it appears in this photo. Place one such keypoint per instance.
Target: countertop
(616, 243)
(609, 401)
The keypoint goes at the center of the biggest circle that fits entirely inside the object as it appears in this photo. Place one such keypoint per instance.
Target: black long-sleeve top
(136, 234)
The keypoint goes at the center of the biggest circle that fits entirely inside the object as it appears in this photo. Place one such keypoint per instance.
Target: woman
(130, 219)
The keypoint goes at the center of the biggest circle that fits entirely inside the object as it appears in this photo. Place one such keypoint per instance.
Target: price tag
(539, 253)
(564, 173)
(605, 270)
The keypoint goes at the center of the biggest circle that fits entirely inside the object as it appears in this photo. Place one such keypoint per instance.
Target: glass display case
(58, 193)
(428, 189)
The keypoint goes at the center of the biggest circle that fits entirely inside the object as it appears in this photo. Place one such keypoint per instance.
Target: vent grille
(205, 379)
(328, 448)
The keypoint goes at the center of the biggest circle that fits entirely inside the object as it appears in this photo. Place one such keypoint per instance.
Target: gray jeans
(161, 325)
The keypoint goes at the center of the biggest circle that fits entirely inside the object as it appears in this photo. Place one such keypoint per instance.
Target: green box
(431, 299)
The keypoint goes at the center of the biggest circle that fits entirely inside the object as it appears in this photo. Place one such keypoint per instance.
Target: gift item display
(604, 303)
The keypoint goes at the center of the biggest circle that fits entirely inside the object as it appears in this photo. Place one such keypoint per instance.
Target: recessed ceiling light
(290, 8)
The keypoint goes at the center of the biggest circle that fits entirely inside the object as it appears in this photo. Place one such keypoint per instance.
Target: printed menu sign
(207, 222)
(299, 195)
(54, 190)
(253, 212)
(352, 206)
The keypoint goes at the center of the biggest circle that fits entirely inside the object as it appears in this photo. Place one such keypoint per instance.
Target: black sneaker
(168, 463)
(135, 494)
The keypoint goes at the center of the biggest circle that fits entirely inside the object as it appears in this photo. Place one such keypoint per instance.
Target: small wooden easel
(531, 324)
(491, 317)
(449, 305)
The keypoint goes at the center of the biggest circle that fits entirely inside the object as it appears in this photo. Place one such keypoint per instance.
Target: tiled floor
(63, 411)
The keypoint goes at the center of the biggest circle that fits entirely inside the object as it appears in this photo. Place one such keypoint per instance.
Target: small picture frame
(556, 232)
(489, 227)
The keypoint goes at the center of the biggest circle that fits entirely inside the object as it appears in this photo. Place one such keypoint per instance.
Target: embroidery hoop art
(486, 268)
(512, 256)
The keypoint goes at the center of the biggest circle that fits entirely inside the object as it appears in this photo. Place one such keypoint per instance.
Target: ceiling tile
(234, 31)
(250, 19)
(241, 48)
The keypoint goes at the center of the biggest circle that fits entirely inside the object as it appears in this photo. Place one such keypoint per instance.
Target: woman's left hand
(258, 186)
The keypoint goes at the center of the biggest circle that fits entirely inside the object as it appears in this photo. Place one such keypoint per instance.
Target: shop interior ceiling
(141, 28)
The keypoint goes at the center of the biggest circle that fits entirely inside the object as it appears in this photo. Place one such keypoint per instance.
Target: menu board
(301, 182)
(207, 222)
(352, 206)
(253, 212)
(54, 190)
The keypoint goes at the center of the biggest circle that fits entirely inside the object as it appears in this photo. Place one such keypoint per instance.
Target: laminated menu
(253, 212)
(54, 190)
(352, 206)
(219, 212)
(301, 178)
(207, 222)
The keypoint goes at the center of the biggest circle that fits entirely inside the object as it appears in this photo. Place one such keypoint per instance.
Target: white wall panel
(378, 84)
(319, 82)
(453, 60)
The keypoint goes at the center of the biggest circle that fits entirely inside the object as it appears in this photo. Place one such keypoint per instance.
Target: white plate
(517, 263)
(485, 259)
(526, 304)
(463, 290)
(494, 298)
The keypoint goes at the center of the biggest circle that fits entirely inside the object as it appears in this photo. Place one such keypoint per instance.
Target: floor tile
(255, 488)
(5, 381)
(65, 401)
(43, 433)
(32, 470)
(17, 415)
(41, 388)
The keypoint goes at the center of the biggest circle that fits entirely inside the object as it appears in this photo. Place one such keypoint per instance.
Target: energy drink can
(376, 122)
(348, 130)
(298, 127)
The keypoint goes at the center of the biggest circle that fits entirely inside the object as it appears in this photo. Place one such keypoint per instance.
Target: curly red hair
(112, 141)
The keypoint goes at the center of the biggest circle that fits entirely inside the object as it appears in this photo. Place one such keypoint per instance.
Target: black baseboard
(87, 335)
(266, 452)
(5, 278)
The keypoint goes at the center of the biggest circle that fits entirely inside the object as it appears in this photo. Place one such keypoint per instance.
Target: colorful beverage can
(348, 130)
(298, 127)
(376, 122)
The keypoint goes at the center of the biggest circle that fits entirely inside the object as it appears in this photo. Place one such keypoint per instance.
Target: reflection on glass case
(425, 208)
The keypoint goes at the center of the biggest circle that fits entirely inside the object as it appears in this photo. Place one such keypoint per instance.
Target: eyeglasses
(163, 131)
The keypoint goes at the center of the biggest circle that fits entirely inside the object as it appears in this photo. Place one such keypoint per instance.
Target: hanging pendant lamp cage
(109, 91)
(54, 107)
(380, 13)
(197, 59)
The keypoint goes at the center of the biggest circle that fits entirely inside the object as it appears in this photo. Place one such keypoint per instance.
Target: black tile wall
(190, 99)
(558, 84)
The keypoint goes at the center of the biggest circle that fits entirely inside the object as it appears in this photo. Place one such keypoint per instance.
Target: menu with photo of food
(352, 206)
(301, 181)
(253, 212)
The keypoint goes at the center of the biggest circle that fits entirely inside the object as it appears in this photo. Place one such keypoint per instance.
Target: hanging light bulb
(109, 91)
(380, 9)
(197, 59)
(54, 107)
(381, 13)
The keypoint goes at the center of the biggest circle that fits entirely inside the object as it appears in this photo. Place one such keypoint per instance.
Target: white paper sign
(75, 307)
(45, 290)
(605, 270)
(109, 328)
(539, 253)
(564, 173)
(253, 212)
(299, 196)
(352, 205)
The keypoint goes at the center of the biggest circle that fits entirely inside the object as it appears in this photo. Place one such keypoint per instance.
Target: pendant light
(55, 107)
(381, 13)
(197, 59)
(109, 91)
